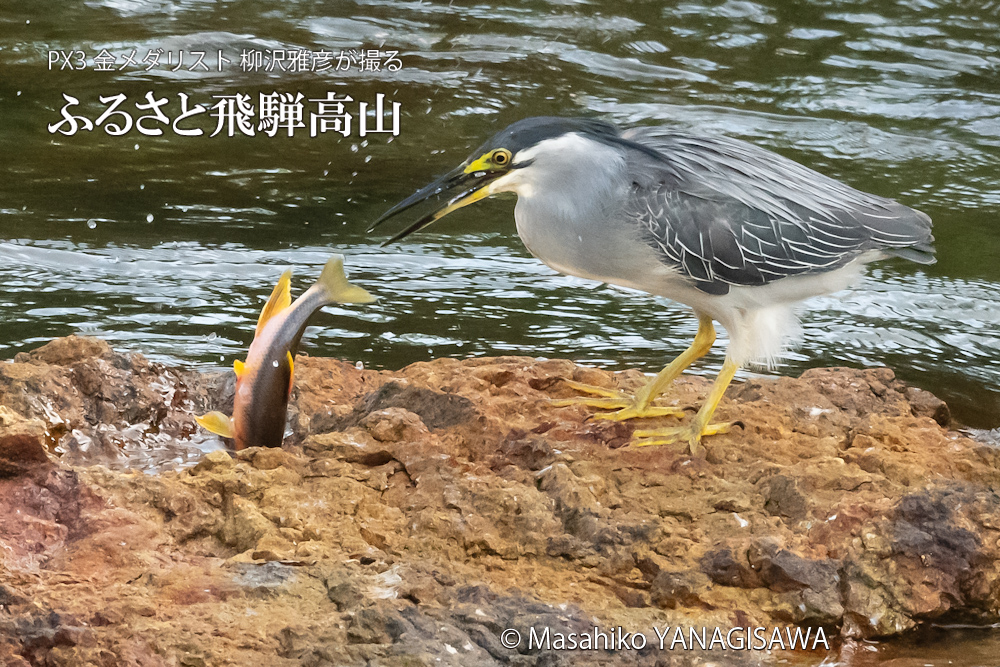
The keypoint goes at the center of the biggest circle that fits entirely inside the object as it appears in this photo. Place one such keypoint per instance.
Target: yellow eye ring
(501, 157)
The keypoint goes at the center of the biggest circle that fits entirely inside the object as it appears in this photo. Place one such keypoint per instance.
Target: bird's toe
(691, 435)
(594, 390)
(622, 405)
(636, 412)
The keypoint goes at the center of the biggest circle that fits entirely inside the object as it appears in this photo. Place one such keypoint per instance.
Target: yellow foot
(610, 399)
(690, 434)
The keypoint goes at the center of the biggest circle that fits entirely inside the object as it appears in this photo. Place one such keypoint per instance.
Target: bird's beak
(472, 181)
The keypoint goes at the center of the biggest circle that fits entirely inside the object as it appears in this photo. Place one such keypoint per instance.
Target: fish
(264, 381)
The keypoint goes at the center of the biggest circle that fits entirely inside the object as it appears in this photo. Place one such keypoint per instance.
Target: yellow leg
(699, 426)
(640, 405)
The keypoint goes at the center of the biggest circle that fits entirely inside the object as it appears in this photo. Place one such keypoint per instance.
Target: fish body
(264, 380)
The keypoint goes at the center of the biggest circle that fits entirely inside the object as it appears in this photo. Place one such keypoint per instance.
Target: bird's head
(502, 164)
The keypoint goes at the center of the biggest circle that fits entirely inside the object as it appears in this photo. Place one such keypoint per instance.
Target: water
(169, 245)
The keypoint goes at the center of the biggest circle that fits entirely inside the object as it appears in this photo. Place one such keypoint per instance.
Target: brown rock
(67, 351)
(418, 513)
(784, 499)
(22, 443)
(670, 590)
(925, 404)
(728, 569)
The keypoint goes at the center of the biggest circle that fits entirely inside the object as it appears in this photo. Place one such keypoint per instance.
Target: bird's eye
(501, 157)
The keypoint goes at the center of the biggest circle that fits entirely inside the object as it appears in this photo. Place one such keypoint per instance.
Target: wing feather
(725, 212)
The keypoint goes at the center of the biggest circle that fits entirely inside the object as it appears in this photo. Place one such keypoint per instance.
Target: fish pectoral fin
(281, 298)
(291, 371)
(239, 367)
(335, 283)
(217, 423)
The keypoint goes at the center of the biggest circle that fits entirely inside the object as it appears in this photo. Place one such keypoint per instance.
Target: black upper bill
(432, 216)
(446, 182)
(457, 178)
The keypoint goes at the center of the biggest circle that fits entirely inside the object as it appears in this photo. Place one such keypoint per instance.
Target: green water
(168, 245)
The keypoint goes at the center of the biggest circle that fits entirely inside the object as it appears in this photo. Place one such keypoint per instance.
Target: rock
(393, 425)
(22, 443)
(925, 404)
(214, 461)
(727, 569)
(245, 526)
(263, 580)
(98, 406)
(344, 593)
(67, 351)
(670, 590)
(415, 515)
(784, 499)
(808, 590)
(434, 408)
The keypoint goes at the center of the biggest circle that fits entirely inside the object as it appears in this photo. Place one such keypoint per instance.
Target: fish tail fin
(217, 423)
(335, 284)
(281, 298)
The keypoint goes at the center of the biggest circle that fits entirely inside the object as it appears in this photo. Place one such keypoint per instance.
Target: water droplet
(368, 158)
(92, 223)
(19, 93)
(326, 172)
(275, 363)
(364, 144)
(27, 22)
(354, 148)
(149, 217)
(142, 186)
(137, 146)
(360, 366)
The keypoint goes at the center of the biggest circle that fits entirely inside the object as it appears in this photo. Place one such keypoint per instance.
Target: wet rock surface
(413, 516)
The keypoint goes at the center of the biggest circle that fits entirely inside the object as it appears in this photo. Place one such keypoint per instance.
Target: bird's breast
(590, 243)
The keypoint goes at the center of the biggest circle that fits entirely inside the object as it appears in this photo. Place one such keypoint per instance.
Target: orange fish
(264, 381)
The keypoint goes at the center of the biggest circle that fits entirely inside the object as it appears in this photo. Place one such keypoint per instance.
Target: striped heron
(736, 232)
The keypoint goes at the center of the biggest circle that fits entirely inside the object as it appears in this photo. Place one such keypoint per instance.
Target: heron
(736, 232)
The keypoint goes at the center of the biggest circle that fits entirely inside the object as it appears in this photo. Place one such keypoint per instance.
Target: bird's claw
(628, 407)
(691, 435)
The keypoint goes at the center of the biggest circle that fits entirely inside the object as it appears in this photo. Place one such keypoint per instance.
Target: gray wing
(726, 212)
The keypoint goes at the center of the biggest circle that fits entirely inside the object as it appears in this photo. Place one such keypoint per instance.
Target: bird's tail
(907, 234)
(921, 253)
